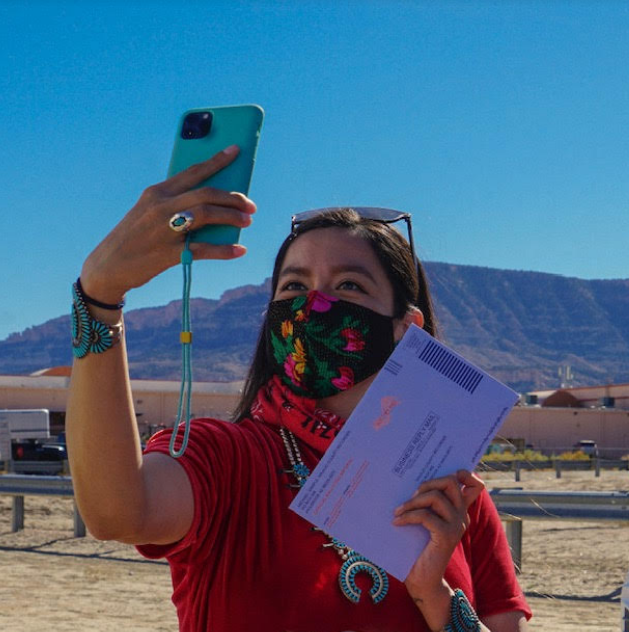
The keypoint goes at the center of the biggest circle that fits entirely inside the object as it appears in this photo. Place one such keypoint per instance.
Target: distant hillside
(522, 326)
(519, 326)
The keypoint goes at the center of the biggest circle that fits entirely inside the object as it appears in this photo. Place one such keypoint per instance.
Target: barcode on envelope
(393, 367)
(450, 366)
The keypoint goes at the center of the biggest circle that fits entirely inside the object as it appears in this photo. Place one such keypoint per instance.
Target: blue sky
(502, 126)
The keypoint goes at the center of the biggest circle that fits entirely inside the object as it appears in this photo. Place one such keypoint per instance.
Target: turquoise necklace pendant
(353, 562)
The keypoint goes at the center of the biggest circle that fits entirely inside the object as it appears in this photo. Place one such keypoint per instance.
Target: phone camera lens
(196, 125)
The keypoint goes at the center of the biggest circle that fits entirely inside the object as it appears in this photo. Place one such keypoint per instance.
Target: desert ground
(572, 571)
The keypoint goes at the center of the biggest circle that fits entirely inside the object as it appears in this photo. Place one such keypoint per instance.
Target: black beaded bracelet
(93, 301)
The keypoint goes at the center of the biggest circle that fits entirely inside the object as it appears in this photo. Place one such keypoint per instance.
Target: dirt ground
(572, 572)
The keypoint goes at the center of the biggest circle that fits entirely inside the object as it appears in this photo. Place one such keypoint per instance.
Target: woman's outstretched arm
(122, 494)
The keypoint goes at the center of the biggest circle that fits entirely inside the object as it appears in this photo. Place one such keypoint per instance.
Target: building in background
(550, 421)
(607, 396)
(155, 401)
(555, 421)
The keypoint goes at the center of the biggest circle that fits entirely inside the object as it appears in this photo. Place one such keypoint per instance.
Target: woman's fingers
(434, 502)
(472, 486)
(448, 498)
(143, 244)
(433, 498)
(211, 196)
(206, 204)
(209, 251)
(448, 485)
(444, 528)
(194, 175)
(206, 214)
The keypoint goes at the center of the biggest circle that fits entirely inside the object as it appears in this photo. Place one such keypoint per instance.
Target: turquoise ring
(181, 222)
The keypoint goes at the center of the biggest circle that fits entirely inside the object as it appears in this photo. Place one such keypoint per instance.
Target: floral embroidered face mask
(320, 345)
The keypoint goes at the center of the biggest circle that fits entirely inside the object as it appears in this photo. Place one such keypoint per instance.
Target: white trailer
(22, 424)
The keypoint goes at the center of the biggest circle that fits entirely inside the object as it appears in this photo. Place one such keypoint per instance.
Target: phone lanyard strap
(185, 392)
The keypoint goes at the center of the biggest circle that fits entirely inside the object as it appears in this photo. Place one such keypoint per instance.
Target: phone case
(231, 125)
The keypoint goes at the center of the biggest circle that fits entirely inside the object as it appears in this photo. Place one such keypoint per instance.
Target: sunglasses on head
(375, 213)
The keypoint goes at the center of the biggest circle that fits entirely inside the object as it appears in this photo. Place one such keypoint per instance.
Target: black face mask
(320, 345)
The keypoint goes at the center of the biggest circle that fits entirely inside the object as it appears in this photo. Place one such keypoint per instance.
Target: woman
(239, 558)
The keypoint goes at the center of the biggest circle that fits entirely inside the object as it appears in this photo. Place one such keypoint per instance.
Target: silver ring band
(181, 222)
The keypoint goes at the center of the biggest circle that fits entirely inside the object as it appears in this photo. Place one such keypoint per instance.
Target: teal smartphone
(203, 132)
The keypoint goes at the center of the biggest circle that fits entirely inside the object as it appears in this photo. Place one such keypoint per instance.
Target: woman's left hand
(440, 505)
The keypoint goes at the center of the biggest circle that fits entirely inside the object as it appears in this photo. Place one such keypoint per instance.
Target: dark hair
(394, 254)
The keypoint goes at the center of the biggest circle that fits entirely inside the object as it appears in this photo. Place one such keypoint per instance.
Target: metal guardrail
(549, 463)
(21, 485)
(513, 505)
(559, 465)
(574, 505)
(25, 485)
(516, 504)
(50, 468)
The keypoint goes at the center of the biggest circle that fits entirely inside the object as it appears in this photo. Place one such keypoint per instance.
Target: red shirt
(249, 563)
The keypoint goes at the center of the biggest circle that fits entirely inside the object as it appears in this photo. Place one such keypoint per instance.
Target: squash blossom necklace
(353, 562)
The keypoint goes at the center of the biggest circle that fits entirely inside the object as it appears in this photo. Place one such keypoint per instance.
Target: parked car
(35, 457)
(31, 450)
(588, 447)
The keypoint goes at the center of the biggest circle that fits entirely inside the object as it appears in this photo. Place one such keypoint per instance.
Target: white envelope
(428, 413)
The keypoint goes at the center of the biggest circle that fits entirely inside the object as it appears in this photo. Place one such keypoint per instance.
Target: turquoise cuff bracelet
(90, 335)
(462, 615)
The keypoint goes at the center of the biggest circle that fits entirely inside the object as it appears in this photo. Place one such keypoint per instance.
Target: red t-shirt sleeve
(495, 584)
(213, 461)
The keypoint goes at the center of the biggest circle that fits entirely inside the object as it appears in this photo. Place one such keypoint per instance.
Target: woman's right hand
(143, 245)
